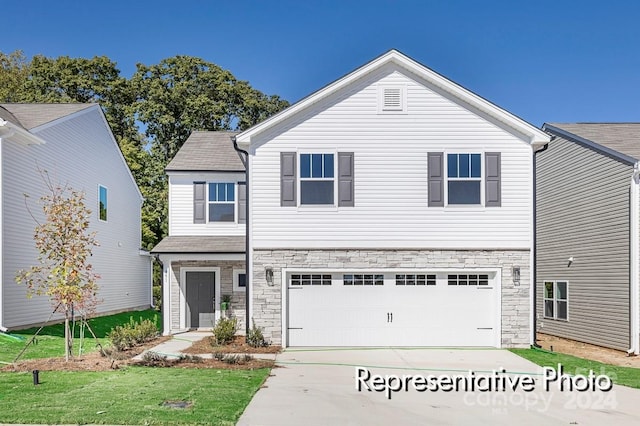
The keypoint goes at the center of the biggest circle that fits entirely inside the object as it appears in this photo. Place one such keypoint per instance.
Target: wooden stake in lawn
(64, 246)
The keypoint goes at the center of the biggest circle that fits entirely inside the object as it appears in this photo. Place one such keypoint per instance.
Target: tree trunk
(67, 337)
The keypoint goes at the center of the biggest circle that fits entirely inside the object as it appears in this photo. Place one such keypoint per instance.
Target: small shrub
(224, 330)
(133, 333)
(255, 338)
(237, 359)
(218, 355)
(195, 359)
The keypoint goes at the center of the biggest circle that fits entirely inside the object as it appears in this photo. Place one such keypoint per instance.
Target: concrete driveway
(318, 387)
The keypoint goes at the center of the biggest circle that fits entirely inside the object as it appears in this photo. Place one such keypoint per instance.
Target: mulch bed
(95, 361)
(237, 346)
(587, 351)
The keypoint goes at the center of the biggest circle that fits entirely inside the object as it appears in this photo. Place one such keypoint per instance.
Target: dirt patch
(237, 346)
(587, 351)
(95, 361)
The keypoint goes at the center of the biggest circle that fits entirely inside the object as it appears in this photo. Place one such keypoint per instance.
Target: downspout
(634, 270)
(246, 236)
(534, 287)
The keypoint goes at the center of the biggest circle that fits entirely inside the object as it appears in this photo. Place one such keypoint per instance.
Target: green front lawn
(50, 341)
(627, 376)
(130, 396)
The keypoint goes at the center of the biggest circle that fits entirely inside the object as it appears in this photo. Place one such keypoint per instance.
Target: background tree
(167, 100)
(64, 245)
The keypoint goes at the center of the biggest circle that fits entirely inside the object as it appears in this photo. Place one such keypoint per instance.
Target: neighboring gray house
(587, 247)
(203, 256)
(74, 145)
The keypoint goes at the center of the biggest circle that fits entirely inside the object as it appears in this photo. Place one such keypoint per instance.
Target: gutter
(244, 155)
(634, 269)
(534, 287)
(10, 131)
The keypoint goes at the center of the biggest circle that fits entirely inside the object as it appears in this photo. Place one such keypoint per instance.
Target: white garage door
(392, 309)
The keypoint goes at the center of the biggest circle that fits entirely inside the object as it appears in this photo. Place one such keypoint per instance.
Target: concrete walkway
(173, 349)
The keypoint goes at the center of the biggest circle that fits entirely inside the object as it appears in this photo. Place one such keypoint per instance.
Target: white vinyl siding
(390, 175)
(80, 152)
(181, 205)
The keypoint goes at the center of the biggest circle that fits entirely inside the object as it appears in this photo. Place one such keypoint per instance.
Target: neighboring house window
(222, 202)
(239, 280)
(363, 279)
(464, 178)
(102, 202)
(317, 179)
(556, 299)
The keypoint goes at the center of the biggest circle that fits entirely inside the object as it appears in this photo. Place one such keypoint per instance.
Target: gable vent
(392, 99)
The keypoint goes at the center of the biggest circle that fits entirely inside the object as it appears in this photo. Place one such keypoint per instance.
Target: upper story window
(102, 202)
(222, 202)
(464, 178)
(317, 179)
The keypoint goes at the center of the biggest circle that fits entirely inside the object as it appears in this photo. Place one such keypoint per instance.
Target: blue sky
(545, 61)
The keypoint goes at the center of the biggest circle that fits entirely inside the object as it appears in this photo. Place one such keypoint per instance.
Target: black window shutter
(288, 179)
(242, 202)
(199, 202)
(435, 177)
(345, 179)
(493, 195)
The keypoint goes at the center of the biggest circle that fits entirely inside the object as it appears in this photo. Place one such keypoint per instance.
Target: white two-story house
(392, 207)
(69, 145)
(203, 256)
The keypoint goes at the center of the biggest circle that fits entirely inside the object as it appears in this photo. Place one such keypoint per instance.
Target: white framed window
(556, 300)
(317, 179)
(239, 280)
(415, 279)
(468, 279)
(102, 202)
(221, 202)
(464, 178)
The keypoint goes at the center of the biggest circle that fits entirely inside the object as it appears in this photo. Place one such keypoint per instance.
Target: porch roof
(200, 244)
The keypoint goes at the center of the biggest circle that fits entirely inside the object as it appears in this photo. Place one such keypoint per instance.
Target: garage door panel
(392, 314)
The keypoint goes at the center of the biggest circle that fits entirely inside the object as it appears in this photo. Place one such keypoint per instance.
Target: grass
(130, 396)
(50, 341)
(627, 376)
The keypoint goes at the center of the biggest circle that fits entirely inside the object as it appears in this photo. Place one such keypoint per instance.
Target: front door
(200, 289)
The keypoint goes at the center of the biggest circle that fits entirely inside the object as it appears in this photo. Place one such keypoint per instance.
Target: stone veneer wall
(267, 300)
(226, 287)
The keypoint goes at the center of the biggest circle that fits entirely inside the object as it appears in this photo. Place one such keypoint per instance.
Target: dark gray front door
(200, 299)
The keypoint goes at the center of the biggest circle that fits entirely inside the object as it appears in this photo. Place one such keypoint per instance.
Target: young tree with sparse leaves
(64, 245)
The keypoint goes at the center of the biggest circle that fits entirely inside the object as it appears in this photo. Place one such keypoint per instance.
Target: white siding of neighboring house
(181, 205)
(79, 152)
(390, 175)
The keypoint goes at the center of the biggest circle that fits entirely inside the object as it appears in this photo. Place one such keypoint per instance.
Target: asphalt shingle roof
(207, 151)
(621, 137)
(6, 115)
(200, 244)
(35, 114)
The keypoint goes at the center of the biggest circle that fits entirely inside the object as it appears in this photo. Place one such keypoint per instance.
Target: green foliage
(254, 337)
(130, 396)
(224, 330)
(14, 72)
(627, 376)
(132, 334)
(157, 297)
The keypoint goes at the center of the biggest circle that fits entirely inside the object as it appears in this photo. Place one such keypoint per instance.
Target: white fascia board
(534, 134)
(10, 131)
